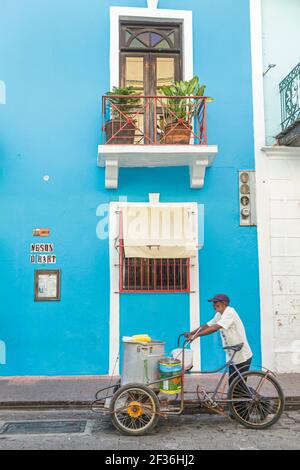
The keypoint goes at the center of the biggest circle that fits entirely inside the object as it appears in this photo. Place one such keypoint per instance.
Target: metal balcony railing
(290, 98)
(154, 120)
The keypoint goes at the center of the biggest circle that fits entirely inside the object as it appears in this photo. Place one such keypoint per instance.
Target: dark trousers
(243, 367)
(240, 390)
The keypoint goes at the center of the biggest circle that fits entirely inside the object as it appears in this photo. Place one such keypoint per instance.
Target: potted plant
(179, 113)
(120, 128)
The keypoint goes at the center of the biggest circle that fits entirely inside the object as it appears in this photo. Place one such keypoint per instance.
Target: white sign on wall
(47, 286)
(42, 253)
(42, 248)
(43, 259)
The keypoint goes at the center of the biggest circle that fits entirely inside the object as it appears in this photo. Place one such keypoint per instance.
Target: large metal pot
(140, 362)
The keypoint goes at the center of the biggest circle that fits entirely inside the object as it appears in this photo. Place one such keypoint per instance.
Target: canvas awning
(159, 231)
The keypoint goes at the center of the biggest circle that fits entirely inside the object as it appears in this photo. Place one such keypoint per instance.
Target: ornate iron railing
(154, 120)
(290, 98)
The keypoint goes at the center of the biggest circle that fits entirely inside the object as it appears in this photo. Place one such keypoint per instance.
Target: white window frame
(263, 216)
(114, 325)
(116, 15)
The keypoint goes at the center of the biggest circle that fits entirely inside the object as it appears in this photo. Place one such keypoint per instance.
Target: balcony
(290, 109)
(155, 131)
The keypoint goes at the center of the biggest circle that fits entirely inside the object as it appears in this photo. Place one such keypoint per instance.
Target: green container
(168, 368)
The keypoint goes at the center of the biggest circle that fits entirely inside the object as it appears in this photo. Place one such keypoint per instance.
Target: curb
(51, 405)
(292, 403)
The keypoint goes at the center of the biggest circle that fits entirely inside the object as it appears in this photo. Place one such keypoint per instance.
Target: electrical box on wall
(247, 194)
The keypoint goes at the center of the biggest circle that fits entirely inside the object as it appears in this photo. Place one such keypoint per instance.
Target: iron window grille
(147, 275)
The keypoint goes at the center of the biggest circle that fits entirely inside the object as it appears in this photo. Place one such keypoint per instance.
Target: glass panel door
(150, 59)
(165, 72)
(134, 73)
(147, 73)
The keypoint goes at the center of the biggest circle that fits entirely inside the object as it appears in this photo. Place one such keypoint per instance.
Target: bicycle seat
(236, 348)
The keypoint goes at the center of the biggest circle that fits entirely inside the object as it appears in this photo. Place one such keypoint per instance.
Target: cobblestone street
(197, 432)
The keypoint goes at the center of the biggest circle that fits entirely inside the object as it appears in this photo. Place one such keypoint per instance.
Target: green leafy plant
(183, 108)
(125, 105)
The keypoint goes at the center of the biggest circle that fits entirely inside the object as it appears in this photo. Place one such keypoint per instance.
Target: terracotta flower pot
(177, 134)
(118, 132)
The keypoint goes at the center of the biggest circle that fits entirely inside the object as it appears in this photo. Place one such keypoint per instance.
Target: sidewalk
(80, 391)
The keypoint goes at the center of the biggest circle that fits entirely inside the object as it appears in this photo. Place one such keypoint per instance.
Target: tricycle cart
(254, 398)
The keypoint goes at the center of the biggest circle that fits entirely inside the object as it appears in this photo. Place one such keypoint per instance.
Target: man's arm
(208, 330)
(197, 330)
(224, 323)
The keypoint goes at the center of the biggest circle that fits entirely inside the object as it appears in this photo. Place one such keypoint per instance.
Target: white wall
(275, 38)
(282, 229)
(281, 46)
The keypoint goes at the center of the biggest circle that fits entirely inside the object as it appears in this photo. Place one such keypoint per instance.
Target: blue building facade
(56, 66)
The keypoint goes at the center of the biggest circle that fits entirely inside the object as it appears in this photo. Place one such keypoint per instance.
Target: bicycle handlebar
(179, 339)
(186, 342)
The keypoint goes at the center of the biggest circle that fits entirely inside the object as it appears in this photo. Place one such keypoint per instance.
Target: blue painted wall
(54, 62)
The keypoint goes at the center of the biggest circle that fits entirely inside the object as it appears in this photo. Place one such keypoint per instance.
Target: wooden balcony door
(150, 58)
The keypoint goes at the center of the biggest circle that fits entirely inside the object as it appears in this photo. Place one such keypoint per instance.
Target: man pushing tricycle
(232, 330)
(253, 398)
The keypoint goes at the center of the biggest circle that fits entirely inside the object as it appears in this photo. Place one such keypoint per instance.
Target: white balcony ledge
(281, 151)
(196, 157)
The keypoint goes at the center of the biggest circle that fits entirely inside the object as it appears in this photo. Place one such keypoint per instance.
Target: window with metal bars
(146, 275)
(154, 275)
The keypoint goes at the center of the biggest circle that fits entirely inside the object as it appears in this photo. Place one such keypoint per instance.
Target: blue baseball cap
(220, 298)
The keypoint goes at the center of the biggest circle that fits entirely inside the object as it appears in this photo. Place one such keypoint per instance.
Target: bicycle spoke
(242, 406)
(242, 412)
(147, 411)
(120, 410)
(238, 393)
(143, 420)
(256, 414)
(131, 396)
(260, 384)
(144, 399)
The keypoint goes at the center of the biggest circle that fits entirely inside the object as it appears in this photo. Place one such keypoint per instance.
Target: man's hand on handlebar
(191, 335)
(201, 331)
(195, 333)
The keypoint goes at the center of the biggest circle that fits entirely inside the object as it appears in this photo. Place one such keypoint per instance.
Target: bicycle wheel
(257, 400)
(134, 409)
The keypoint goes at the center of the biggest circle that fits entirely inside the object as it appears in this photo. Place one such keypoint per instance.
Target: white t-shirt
(232, 333)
